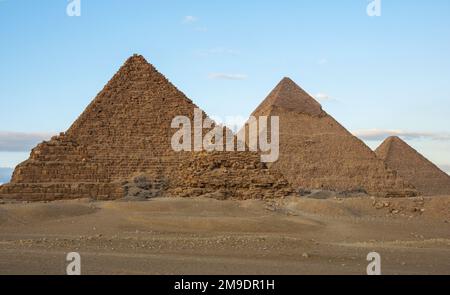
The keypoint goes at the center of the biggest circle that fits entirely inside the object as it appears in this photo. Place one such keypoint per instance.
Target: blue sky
(376, 75)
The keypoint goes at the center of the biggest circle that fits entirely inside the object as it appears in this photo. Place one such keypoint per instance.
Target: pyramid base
(34, 192)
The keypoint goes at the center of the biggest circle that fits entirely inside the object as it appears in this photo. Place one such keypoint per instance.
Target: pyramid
(126, 131)
(316, 152)
(413, 167)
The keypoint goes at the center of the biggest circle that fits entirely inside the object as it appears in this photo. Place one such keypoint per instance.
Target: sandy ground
(205, 236)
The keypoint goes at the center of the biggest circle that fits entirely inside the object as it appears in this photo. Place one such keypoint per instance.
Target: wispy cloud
(21, 142)
(189, 19)
(224, 76)
(381, 134)
(322, 96)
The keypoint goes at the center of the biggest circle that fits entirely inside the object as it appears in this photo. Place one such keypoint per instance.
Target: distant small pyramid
(316, 152)
(414, 167)
(126, 132)
(289, 96)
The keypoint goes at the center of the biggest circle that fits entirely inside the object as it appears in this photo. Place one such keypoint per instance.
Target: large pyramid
(316, 152)
(126, 131)
(413, 167)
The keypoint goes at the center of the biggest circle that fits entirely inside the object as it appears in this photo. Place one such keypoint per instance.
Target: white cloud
(382, 134)
(322, 96)
(189, 19)
(224, 76)
(21, 142)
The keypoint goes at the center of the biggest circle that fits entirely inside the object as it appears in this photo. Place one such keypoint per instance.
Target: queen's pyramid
(316, 152)
(413, 167)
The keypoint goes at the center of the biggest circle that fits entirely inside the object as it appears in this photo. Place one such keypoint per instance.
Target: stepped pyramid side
(124, 132)
(316, 152)
(414, 167)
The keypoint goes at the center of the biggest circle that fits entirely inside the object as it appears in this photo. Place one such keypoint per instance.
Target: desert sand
(296, 235)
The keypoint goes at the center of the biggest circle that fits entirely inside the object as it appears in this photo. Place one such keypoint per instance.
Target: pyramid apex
(136, 58)
(287, 80)
(288, 95)
(384, 149)
(394, 139)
